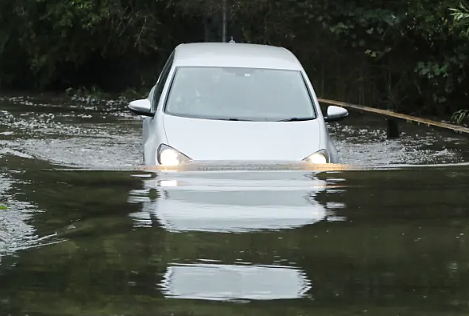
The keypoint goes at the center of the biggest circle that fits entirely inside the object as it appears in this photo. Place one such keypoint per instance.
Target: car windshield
(227, 93)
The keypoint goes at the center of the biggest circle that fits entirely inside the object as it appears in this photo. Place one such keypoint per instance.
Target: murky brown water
(92, 242)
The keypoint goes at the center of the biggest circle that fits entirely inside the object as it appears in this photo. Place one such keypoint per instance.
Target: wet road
(89, 242)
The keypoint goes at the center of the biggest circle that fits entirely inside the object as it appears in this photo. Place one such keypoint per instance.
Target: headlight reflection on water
(168, 183)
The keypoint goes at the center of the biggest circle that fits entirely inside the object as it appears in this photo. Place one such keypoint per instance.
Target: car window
(239, 93)
(161, 82)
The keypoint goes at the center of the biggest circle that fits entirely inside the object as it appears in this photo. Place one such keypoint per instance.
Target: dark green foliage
(410, 56)
(460, 116)
(461, 17)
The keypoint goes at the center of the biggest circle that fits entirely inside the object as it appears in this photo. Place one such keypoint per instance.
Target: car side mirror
(141, 107)
(335, 113)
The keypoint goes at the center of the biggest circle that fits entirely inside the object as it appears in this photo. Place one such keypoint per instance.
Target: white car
(234, 102)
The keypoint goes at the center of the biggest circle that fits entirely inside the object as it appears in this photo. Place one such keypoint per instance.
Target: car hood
(202, 139)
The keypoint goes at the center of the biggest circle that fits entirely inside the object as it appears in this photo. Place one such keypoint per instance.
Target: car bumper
(221, 166)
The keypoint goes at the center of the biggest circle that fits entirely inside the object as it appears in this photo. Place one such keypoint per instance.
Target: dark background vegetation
(411, 55)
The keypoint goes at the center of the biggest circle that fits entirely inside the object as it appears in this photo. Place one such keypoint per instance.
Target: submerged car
(234, 102)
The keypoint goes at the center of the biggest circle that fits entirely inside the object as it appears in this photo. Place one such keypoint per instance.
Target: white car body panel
(202, 139)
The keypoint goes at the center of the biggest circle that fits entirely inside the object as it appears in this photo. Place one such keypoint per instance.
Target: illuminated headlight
(168, 156)
(319, 157)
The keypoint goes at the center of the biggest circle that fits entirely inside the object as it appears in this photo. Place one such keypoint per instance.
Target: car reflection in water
(234, 282)
(232, 202)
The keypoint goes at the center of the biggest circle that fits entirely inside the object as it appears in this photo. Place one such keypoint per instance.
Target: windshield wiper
(296, 119)
(232, 119)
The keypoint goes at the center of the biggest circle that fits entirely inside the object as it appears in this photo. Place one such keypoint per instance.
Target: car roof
(235, 55)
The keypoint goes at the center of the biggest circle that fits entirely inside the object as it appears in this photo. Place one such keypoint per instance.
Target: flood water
(87, 232)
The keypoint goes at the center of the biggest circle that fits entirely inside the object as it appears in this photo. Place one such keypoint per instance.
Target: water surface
(87, 232)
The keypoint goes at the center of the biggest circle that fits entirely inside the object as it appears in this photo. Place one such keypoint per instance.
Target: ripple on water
(15, 232)
(362, 140)
(113, 151)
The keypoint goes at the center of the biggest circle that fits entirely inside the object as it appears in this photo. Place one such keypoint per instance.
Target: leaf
(460, 116)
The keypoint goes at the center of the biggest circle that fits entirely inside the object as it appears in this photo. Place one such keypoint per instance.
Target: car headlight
(168, 156)
(319, 157)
